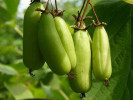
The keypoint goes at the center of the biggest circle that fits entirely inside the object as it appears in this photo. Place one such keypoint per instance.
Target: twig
(81, 8)
(80, 19)
(98, 22)
(47, 5)
(88, 17)
(56, 6)
(85, 9)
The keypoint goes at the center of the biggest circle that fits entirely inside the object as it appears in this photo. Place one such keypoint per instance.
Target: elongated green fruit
(31, 54)
(82, 78)
(51, 46)
(101, 54)
(66, 39)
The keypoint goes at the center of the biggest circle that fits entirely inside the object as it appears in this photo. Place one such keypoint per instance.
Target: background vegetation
(15, 82)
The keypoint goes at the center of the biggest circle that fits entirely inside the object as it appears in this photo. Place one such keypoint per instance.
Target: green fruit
(101, 54)
(66, 39)
(82, 78)
(31, 54)
(51, 46)
(70, 29)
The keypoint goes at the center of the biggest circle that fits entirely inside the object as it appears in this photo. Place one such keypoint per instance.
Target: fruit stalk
(85, 10)
(56, 10)
(98, 22)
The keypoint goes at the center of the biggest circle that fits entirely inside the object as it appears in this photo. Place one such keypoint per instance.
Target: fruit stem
(79, 18)
(82, 95)
(107, 82)
(98, 22)
(47, 5)
(30, 72)
(81, 8)
(56, 10)
(85, 9)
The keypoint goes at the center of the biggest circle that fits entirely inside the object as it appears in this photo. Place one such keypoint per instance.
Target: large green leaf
(12, 5)
(129, 90)
(6, 69)
(55, 90)
(4, 15)
(126, 95)
(6, 72)
(117, 15)
(37, 92)
(19, 91)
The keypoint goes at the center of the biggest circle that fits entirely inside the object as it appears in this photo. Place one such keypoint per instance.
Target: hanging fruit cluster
(47, 38)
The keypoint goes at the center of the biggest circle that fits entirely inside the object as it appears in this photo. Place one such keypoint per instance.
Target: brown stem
(98, 22)
(82, 8)
(85, 9)
(106, 82)
(88, 17)
(79, 18)
(47, 5)
(56, 6)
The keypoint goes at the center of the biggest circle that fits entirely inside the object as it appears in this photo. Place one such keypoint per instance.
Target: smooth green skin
(66, 40)
(101, 54)
(51, 46)
(32, 57)
(82, 78)
(70, 29)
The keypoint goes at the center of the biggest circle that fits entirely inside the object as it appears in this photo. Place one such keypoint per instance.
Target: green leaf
(37, 92)
(56, 94)
(20, 67)
(19, 91)
(130, 86)
(4, 15)
(6, 69)
(54, 90)
(48, 78)
(126, 95)
(44, 74)
(12, 5)
(117, 14)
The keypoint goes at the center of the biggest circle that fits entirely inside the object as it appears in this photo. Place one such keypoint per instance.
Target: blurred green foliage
(16, 83)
